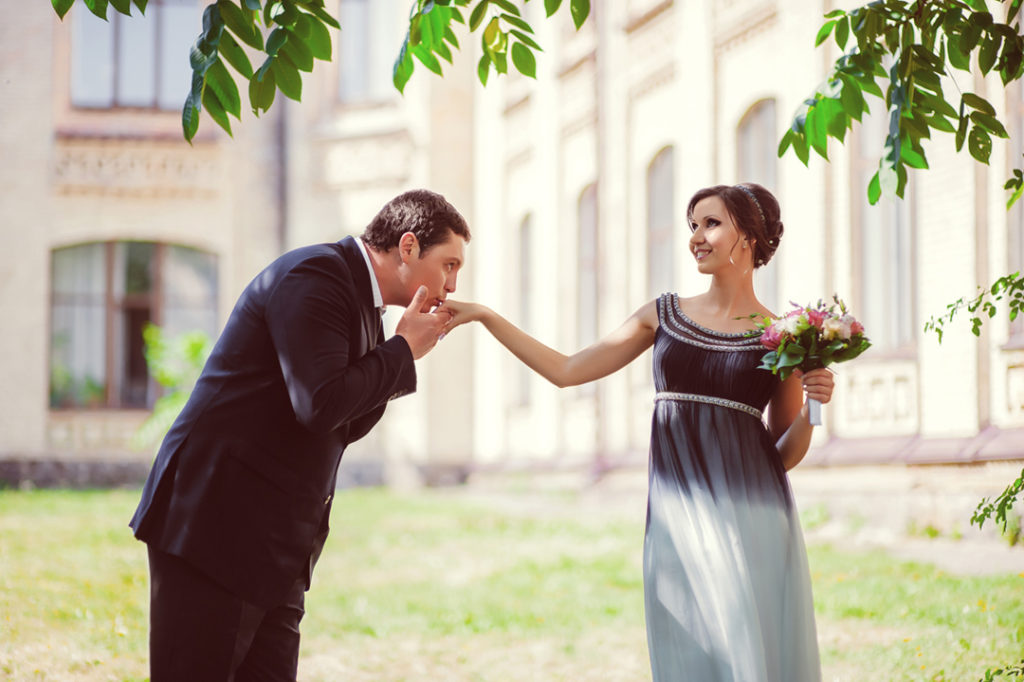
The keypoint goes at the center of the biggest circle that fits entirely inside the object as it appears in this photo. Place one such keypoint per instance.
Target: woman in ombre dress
(726, 582)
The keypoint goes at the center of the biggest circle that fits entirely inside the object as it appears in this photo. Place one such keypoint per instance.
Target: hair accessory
(753, 198)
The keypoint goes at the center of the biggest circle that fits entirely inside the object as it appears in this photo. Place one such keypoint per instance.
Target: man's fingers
(418, 299)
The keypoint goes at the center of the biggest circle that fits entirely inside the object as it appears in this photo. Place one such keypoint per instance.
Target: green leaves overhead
(293, 34)
(504, 35)
(911, 50)
(290, 33)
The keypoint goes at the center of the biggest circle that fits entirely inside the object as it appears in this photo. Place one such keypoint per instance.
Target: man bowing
(235, 510)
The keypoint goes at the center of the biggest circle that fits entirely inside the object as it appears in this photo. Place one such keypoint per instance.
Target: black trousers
(200, 632)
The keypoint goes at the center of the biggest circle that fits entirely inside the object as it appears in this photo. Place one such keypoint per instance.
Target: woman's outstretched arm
(787, 414)
(611, 353)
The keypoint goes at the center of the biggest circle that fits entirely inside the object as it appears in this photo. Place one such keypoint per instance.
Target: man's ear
(408, 247)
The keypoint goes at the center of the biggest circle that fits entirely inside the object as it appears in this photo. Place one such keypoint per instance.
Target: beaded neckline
(707, 330)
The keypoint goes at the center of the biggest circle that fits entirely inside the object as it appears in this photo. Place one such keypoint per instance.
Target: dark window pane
(137, 266)
(134, 372)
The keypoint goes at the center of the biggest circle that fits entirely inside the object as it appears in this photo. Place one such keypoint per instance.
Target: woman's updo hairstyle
(754, 210)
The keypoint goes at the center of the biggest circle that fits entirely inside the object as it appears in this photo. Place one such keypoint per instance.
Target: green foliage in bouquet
(810, 337)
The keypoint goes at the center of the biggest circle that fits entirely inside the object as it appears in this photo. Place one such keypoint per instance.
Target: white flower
(789, 324)
(831, 328)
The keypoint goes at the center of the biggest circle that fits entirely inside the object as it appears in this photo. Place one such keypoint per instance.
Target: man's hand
(421, 330)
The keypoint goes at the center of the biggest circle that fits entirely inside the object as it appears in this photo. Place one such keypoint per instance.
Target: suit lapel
(372, 330)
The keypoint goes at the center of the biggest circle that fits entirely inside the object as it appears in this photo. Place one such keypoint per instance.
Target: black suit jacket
(243, 482)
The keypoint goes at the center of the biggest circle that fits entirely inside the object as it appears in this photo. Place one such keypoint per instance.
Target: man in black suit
(235, 510)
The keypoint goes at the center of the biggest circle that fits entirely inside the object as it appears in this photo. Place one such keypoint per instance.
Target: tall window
(104, 294)
(524, 283)
(756, 162)
(586, 284)
(139, 61)
(883, 237)
(661, 209)
(366, 49)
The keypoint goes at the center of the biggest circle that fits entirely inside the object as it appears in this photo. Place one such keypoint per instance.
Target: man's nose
(449, 284)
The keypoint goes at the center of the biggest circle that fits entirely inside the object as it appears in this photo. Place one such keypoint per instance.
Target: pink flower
(772, 337)
(856, 327)
(816, 317)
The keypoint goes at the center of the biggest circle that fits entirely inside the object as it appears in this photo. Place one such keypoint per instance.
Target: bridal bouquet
(811, 337)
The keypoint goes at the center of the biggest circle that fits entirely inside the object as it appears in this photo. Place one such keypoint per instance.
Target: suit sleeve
(310, 314)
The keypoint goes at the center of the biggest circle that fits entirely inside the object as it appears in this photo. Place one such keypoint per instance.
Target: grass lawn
(448, 586)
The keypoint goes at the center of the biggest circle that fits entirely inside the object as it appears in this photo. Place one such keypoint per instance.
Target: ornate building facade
(575, 185)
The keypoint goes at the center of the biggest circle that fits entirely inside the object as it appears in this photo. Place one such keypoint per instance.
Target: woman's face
(715, 241)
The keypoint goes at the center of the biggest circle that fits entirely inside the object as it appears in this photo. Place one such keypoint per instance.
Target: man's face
(437, 270)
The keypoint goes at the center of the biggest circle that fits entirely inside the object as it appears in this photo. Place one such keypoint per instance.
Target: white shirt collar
(378, 300)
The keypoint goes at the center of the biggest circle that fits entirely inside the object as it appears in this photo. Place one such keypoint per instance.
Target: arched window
(103, 296)
(660, 223)
(756, 161)
(137, 61)
(883, 246)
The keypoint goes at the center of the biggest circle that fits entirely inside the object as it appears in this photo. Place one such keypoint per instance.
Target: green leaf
(824, 32)
(961, 132)
(842, 33)
(323, 16)
(141, 4)
(190, 116)
(979, 144)
(551, 6)
(580, 10)
(403, 68)
(235, 55)
(987, 53)
(817, 130)
(223, 85)
(851, 98)
(493, 37)
(957, 57)
(913, 157)
(122, 6)
(989, 123)
(289, 82)
(241, 24)
(427, 58)
(526, 39)
(874, 189)
(979, 103)
(477, 15)
(278, 37)
(523, 59)
(97, 7)
(517, 22)
(449, 35)
(507, 6)
(252, 5)
(262, 88)
(483, 69)
(320, 40)
(62, 6)
(215, 110)
(298, 52)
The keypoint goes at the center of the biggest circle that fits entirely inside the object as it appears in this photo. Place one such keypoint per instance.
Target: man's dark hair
(426, 214)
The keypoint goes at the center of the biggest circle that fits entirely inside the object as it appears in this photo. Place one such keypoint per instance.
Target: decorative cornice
(137, 168)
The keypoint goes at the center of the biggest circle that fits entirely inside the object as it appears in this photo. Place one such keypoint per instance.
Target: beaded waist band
(711, 400)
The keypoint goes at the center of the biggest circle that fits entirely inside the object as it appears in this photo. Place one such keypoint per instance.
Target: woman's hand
(462, 312)
(818, 384)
